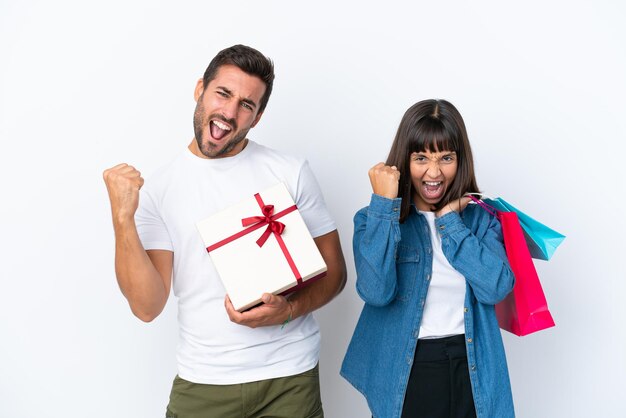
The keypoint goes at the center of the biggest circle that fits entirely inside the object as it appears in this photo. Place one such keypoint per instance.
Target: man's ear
(198, 90)
(256, 120)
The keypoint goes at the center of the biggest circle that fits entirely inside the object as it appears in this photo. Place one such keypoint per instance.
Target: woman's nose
(433, 170)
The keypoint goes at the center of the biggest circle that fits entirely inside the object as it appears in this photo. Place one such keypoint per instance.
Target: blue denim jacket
(394, 264)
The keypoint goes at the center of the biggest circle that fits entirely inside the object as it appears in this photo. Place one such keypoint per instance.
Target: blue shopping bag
(541, 240)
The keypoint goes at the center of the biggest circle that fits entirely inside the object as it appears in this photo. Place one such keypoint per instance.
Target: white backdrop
(85, 85)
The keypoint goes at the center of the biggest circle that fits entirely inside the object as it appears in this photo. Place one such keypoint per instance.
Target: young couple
(429, 267)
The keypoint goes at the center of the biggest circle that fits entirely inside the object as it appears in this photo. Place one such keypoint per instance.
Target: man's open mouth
(219, 129)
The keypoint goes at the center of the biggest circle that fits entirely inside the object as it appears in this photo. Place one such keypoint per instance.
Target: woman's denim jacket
(394, 265)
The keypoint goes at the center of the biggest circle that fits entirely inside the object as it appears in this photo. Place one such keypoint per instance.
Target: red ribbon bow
(267, 218)
(255, 222)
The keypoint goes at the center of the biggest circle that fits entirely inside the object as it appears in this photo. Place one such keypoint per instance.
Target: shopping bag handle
(482, 204)
(481, 195)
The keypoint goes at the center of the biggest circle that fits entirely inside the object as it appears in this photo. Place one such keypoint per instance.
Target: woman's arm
(483, 262)
(376, 236)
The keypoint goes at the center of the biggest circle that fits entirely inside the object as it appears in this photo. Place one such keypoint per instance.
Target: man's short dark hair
(248, 60)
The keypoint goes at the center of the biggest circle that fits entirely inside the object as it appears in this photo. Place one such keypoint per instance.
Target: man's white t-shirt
(212, 349)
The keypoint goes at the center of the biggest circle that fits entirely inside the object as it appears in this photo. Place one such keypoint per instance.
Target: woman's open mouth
(433, 189)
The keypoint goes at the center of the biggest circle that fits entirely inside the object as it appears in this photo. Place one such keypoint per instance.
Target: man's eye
(246, 106)
(223, 94)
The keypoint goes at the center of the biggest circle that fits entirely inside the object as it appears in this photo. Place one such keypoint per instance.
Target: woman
(430, 269)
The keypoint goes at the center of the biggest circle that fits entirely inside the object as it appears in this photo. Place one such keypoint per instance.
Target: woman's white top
(443, 310)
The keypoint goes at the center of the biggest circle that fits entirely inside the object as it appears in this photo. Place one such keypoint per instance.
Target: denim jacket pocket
(407, 260)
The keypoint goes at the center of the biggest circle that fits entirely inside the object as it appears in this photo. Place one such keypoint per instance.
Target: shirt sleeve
(311, 205)
(375, 245)
(482, 260)
(150, 225)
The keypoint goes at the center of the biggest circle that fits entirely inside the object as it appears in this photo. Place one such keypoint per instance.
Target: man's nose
(230, 109)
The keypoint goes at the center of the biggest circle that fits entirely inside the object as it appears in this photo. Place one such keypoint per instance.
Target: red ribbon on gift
(273, 227)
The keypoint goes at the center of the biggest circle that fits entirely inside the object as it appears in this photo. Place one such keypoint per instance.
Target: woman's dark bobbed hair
(432, 125)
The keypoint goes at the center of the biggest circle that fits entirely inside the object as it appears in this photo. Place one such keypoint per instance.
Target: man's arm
(144, 277)
(276, 309)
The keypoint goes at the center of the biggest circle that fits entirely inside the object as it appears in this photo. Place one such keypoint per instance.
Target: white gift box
(284, 262)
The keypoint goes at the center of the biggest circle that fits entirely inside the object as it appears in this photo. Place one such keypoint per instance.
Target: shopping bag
(525, 309)
(542, 241)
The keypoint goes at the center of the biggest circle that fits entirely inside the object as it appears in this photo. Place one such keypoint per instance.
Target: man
(230, 364)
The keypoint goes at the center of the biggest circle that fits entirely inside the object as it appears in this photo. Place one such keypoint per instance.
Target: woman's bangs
(433, 137)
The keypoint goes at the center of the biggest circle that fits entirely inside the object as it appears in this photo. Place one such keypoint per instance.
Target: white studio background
(85, 85)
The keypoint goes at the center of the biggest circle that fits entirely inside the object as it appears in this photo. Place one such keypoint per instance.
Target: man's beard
(207, 148)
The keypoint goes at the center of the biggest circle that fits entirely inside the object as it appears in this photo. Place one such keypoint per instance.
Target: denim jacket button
(427, 277)
(469, 340)
(465, 310)
(473, 367)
